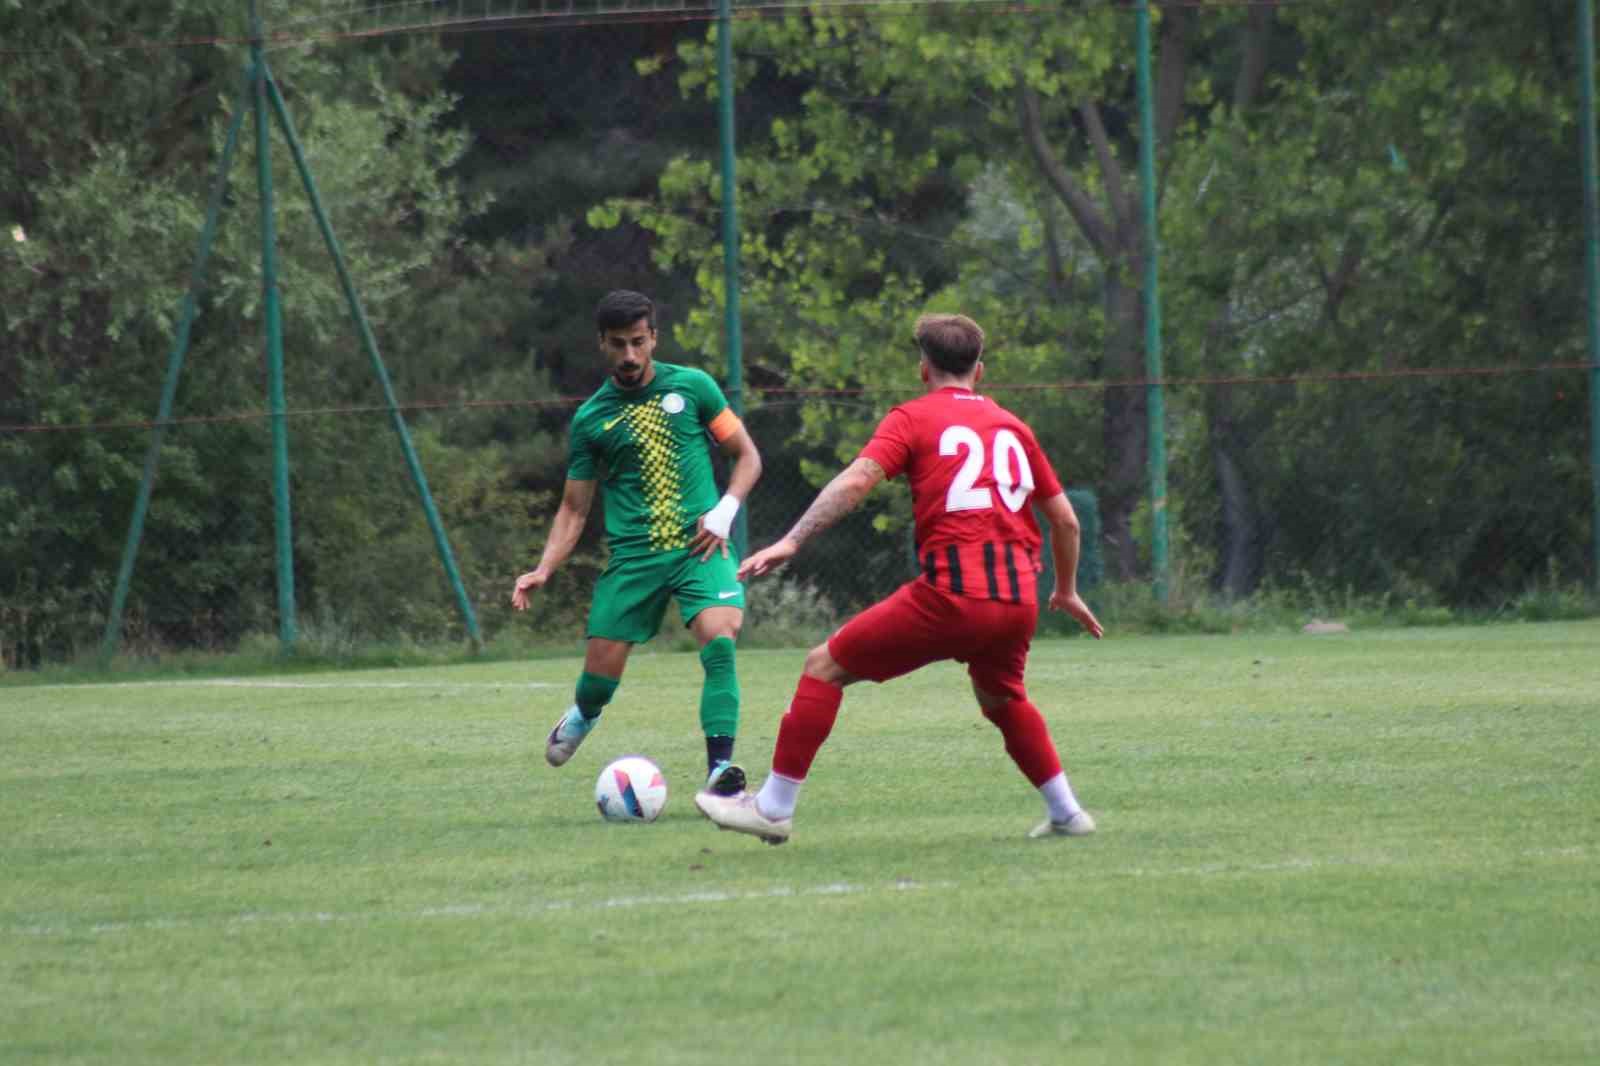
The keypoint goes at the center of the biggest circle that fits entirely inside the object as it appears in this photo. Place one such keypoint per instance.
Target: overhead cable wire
(571, 17)
(1321, 378)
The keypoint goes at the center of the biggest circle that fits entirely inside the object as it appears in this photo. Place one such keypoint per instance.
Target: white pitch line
(237, 682)
(471, 910)
(539, 908)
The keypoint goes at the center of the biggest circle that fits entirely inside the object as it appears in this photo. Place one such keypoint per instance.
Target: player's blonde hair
(952, 343)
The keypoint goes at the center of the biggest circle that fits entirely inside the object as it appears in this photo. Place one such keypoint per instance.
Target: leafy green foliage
(1404, 202)
(1340, 194)
(104, 177)
(1347, 191)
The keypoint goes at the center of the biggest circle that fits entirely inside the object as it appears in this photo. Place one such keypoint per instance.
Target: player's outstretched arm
(576, 499)
(1064, 536)
(717, 523)
(838, 498)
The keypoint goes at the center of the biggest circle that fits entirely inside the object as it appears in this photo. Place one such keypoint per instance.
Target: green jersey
(653, 443)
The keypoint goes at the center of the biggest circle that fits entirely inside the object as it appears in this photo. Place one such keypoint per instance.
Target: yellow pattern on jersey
(658, 474)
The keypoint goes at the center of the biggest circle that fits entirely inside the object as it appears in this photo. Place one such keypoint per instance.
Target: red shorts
(920, 624)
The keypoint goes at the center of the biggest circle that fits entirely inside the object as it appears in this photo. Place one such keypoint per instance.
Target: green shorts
(630, 598)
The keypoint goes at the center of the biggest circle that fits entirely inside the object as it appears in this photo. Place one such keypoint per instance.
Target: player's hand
(533, 579)
(769, 558)
(706, 543)
(1079, 610)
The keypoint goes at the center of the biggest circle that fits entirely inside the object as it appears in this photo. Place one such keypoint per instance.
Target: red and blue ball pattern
(631, 789)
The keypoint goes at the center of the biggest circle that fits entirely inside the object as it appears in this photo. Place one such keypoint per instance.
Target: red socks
(1027, 740)
(806, 725)
(811, 715)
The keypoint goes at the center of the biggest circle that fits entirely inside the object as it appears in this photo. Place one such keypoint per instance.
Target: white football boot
(1079, 825)
(740, 814)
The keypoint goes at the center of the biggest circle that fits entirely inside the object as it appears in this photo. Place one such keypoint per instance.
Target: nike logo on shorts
(727, 595)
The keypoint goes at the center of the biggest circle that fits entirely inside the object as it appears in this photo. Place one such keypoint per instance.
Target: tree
(1404, 203)
(105, 155)
(1342, 189)
(910, 127)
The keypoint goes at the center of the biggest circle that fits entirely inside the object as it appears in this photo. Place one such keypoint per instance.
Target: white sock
(778, 796)
(1058, 798)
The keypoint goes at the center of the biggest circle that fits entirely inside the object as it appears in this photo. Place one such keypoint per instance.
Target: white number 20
(963, 494)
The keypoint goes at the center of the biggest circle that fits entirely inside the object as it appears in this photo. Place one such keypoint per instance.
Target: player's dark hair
(952, 343)
(622, 308)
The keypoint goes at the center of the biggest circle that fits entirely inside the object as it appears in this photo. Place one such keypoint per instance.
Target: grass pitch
(1376, 847)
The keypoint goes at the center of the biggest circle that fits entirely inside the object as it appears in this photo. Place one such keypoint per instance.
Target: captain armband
(725, 425)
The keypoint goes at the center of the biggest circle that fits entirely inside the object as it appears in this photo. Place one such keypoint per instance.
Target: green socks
(594, 692)
(719, 696)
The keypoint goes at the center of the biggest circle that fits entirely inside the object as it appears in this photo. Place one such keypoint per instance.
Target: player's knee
(717, 656)
(1007, 715)
(710, 626)
(994, 694)
(987, 700)
(821, 665)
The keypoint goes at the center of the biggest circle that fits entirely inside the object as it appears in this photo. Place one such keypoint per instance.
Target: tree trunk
(1114, 230)
(1123, 426)
(1240, 538)
(1241, 527)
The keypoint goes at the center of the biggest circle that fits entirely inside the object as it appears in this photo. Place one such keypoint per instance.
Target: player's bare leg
(603, 663)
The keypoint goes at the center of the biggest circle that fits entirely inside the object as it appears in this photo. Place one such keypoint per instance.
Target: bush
(785, 612)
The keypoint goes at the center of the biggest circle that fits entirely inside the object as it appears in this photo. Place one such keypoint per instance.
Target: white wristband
(719, 519)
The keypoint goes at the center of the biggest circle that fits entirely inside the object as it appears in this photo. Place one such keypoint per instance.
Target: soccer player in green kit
(667, 530)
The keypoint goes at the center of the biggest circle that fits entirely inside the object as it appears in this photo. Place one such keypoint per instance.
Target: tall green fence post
(283, 528)
(369, 343)
(169, 387)
(1591, 229)
(1152, 318)
(732, 329)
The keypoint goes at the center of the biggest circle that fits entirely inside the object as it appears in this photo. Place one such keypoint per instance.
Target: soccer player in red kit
(974, 470)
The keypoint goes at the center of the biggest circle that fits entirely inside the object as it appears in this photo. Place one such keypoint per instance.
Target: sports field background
(1374, 375)
(1371, 847)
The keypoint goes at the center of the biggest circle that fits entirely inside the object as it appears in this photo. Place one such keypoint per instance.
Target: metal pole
(282, 526)
(1591, 229)
(169, 388)
(370, 344)
(1152, 317)
(730, 238)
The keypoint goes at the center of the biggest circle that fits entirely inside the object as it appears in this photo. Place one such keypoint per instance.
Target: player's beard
(628, 375)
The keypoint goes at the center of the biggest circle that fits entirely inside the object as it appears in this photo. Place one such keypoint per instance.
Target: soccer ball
(631, 789)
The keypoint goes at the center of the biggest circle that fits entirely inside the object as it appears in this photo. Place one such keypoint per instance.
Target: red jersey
(973, 467)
